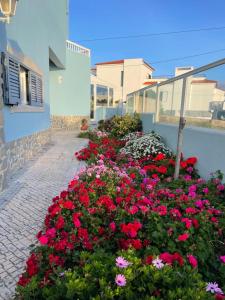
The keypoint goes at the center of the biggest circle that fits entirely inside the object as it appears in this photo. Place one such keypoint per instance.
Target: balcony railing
(78, 48)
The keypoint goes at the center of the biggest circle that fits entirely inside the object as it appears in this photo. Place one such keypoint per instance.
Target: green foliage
(96, 280)
(119, 126)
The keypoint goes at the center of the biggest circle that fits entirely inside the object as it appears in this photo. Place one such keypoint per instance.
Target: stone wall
(67, 122)
(15, 153)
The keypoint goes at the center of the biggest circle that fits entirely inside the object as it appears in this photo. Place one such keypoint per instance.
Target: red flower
(32, 265)
(83, 234)
(162, 170)
(132, 176)
(136, 244)
(56, 260)
(167, 258)
(183, 164)
(177, 257)
(68, 205)
(159, 156)
(162, 210)
(112, 226)
(195, 223)
(51, 233)
(219, 297)
(148, 260)
(76, 220)
(84, 198)
(43, 240)
(191, 160)
(23, 281)
(183, 237)
(64, 194)
(193, 261)
(60, 223)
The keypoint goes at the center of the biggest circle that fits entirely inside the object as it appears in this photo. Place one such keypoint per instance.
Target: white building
(126, 75)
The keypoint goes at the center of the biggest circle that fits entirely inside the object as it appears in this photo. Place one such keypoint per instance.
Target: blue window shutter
(13, 82)
(36, 89)
(39, 90)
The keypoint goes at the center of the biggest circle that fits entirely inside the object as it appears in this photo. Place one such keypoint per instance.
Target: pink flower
(220, 187)
(43, 240)
(112, 226)
(183, 237)
(120, 280)
(205, 190)
(122, 262)
(51, 233)
(222, 259)
(187, 222)
(193, 261)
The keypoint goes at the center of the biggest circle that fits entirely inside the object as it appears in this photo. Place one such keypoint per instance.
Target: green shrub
(95, 277)
(119, 126)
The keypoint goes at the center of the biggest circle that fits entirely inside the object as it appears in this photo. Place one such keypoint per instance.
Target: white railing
(78, 48)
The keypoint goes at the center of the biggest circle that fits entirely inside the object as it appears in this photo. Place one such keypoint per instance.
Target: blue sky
(97, 18)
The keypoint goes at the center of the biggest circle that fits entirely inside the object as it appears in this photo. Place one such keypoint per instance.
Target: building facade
(31, 46)
(125, 75)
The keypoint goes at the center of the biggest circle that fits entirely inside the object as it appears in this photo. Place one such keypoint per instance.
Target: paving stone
(24, 203)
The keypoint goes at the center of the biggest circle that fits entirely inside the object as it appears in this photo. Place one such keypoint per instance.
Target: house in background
(41, 74)
(203, 92)
(117, 78)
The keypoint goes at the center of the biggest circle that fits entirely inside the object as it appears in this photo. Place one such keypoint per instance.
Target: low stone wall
(67, 122)
(15, 153)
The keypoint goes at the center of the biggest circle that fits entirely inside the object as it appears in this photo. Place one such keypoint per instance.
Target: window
(24, 85)
(21, 85)
(110, 97)
(122, 78)
(102, 95)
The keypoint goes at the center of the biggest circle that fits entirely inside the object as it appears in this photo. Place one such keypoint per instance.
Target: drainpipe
(180, 129)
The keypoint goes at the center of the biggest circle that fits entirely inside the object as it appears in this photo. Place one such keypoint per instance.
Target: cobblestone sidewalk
(24, 203)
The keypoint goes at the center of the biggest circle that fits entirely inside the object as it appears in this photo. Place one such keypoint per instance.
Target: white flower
(158, 263)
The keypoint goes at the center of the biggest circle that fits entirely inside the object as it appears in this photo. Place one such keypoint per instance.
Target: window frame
(36, 102)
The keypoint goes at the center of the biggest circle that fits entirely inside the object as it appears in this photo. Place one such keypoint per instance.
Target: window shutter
(39, 90)
(12, 68)
(36, 89)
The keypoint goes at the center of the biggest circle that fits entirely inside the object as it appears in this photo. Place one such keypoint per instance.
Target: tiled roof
(203, 81)
(113, 62)
(120, 62)
(150, 82)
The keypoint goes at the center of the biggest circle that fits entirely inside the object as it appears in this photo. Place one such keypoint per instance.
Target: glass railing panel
(130, 104)
(169, 97)
(205, 99)
(139, 101)
(150, 99)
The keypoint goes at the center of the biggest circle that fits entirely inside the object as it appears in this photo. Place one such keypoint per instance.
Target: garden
(126, 229)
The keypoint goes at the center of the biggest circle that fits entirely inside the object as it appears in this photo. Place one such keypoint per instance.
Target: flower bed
(125, 229)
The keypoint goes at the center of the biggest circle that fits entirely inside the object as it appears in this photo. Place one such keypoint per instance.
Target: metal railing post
(157, 104)
(180, 129)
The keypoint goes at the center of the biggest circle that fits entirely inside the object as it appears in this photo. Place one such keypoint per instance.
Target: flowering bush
(124, 276)
(119, 126)
(132, 136)
(124, 229)
(149, 144)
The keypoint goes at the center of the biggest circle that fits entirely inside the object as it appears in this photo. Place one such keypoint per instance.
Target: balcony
(74, 47)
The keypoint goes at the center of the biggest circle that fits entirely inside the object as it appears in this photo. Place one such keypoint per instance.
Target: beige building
(125, 76)
(200, 94)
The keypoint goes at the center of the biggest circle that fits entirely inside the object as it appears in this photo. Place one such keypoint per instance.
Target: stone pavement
(24, 203)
